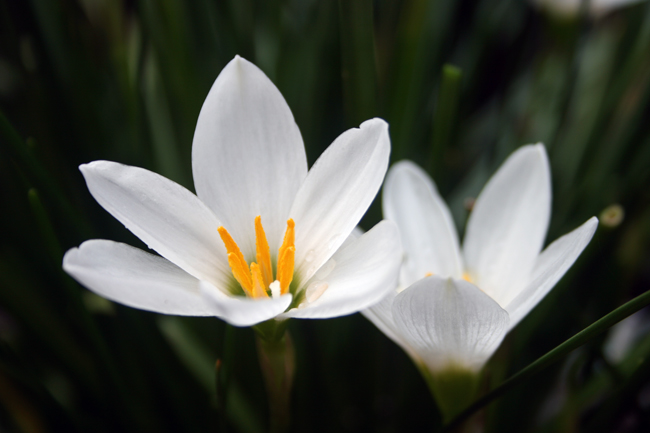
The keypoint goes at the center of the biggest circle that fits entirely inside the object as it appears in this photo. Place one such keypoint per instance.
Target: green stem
(453, 389)
(554, 355)
(277, 360)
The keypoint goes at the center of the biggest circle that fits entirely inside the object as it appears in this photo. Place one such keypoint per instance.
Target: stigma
(256, 279)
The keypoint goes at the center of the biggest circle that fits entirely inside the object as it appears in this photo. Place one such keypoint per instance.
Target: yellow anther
(263, 253)
(428, 274)
(285, 268)
(467, 278)
(259, 288)
(289, 238)
(241, 273)
(231, 245)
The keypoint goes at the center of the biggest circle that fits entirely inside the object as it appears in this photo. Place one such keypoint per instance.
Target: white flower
(457, 306)
(571, 8)
(263, 237)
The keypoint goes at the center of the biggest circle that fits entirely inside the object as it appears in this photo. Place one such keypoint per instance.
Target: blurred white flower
(571, 8)
(263, 237)
(622, 337)
(454, 308)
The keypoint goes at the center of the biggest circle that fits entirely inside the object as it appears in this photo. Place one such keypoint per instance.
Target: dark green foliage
(82, 80)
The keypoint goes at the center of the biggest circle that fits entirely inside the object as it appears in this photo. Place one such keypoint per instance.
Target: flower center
(466, 277)
(257, 279)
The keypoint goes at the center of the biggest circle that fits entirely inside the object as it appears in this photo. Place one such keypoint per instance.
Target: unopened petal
(166, 216)
(449, 322)
(337, 192)
(132, 277)
(428, 234)
(508, 224)
(356, 277)
(551, 265)
(240, 310)
(248, 157)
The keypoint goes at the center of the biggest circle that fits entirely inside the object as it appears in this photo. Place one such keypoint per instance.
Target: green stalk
(453, 388)
(556, 354)
(277, 360)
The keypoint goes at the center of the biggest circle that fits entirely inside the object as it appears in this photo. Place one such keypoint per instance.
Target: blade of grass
(16, 148)
(358, 59)
(444, 118)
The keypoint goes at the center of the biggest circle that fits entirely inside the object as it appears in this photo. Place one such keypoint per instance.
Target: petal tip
(534, 150)
(98, 165)
(68, 257)
(375, 122)
(406, 166)
(593, 223)
(85, 168)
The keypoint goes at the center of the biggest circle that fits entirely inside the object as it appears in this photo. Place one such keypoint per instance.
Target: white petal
(357, 276)
(507, 227)
(381, 316)
(337, 192)
(132, 277)
(428, 234)
(449, 322)
(166, 216)
(248, 157)
(551, 265)
(242, 311)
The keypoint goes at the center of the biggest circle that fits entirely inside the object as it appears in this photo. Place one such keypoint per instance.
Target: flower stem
(277, 361)
(453, 389)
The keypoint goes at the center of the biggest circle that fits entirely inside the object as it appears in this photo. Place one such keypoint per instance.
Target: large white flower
(456, 306)
(263, 237)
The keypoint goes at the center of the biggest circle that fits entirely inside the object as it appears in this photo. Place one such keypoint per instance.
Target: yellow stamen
(285, 268)
(428, 274)
(289, 239)
(256, 279)
(241, 273)
(236, 260)
(263, 253)
(467, 278)
(259, 288)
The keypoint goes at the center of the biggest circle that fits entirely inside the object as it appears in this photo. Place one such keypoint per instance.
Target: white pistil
(275, 289)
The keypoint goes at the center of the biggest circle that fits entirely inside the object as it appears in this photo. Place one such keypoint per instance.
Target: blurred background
(462, 84)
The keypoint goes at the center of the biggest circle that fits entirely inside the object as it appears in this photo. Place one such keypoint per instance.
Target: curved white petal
(551, 265)
(449, 322)
(507, 227)
(242, 311)
(166, 216)
(337, 192)
(132, 277)
(356, 277)
(381, 316)
(248, 157)
(428, 234)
